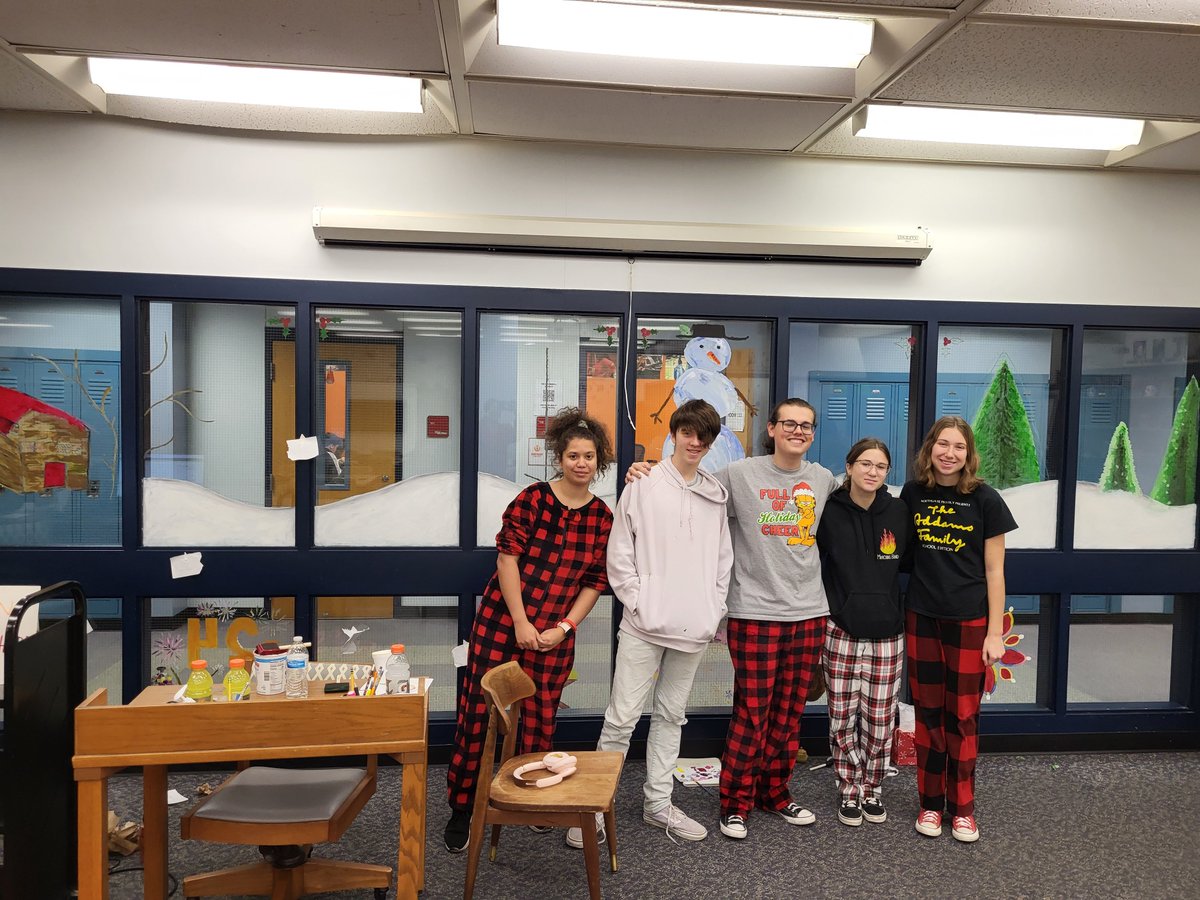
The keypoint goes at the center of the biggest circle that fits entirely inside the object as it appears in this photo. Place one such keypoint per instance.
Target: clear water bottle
(295, 679)
(396, 671)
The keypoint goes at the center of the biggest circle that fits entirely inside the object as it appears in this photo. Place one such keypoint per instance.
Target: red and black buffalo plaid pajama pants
(945, 676)
(492, 643)
(773, 663)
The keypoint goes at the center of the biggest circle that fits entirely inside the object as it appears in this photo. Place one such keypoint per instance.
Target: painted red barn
(40, 447)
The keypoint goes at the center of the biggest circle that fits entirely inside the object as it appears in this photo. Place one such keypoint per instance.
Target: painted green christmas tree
(1007, 454)
(1176, 482)
(1119, 473)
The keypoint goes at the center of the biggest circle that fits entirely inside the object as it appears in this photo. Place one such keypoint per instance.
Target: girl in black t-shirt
(954, 618)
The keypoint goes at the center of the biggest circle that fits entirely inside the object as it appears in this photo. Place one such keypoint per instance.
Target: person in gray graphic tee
(777, 613)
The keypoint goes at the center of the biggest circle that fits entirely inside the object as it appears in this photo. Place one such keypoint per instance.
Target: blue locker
(96, 512)
(14, 374)
(836, 425)
(1104, 402)
(852, 409)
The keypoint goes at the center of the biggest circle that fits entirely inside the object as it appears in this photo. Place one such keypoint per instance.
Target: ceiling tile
(1177, 11)
(560, 112)
(371, 34)
(1060, 67)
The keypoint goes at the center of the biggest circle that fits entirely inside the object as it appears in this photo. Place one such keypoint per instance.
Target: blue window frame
(132, 573)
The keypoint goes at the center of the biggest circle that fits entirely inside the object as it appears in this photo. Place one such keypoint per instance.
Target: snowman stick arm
(749, 406)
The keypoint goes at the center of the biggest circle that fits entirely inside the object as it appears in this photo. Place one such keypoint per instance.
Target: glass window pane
(60, 417)
(1007, 383)
(712, 690)
(220, 406)
(1139, 423)
(350, 629)
(530, 367)
(386, 395)
(216, 629)
(726, 362)
(1123, 648)
(103, 640)
(1022, 678)
(857, 378)
(586, 693)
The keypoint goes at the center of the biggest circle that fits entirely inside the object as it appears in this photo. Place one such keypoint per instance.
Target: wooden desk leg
(410, 862)
(93, 839)
(154, 831)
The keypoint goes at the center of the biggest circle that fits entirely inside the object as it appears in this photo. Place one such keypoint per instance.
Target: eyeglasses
(868, 466)
(789, 425)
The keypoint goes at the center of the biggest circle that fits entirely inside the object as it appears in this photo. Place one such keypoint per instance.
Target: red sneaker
(929, 823)
(964, 829)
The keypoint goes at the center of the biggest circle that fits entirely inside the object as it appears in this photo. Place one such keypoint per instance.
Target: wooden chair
(503, 801)
(285, 812)
(45, 678)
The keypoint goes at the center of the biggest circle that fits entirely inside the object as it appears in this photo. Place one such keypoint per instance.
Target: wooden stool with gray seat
(285, 812)
(503, 800)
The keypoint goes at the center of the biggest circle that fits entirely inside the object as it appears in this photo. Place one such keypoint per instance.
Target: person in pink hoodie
(669, 561)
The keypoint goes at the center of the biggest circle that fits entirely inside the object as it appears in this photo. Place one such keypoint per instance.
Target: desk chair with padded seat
(284, 812)
(572, 803)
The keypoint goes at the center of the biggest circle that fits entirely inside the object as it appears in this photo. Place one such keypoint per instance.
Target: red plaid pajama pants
(862, 680)
(945, 676)
(493, 643)
(773, 663)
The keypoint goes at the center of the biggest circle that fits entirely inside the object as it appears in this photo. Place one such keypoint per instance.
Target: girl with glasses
(954, 618)
(865, 534)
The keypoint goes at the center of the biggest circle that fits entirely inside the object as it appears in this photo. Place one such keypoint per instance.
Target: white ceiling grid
(1127, 58)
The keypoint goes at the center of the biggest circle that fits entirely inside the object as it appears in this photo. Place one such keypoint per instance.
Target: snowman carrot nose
(714, 357)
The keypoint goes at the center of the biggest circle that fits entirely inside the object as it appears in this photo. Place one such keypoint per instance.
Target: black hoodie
(861, 551)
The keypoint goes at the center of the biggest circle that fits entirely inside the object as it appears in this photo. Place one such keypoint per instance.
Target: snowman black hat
(713, 330)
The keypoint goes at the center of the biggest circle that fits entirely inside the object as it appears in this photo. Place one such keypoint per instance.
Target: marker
(351, 693)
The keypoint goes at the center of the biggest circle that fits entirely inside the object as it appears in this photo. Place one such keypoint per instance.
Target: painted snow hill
(417, 512)
(1104, 520)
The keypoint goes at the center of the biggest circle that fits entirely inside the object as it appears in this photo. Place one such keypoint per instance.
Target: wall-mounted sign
(537, 452)
(546, 395)
(437, 426)
(540, 429)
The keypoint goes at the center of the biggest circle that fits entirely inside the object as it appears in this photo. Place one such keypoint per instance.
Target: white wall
(430, 382)
(225, 363)
(90, 193)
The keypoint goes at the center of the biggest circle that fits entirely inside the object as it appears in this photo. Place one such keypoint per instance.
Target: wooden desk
(153, 734)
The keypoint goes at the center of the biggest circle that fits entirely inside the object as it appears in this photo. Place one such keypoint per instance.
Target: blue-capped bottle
(295, 679)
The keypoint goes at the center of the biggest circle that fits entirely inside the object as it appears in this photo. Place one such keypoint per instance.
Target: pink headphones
(559, 764)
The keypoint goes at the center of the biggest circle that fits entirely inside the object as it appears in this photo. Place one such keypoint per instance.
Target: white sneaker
(575, 835)
(676, 823)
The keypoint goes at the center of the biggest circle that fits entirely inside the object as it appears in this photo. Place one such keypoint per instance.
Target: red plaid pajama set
(561, 551)
(945, 625)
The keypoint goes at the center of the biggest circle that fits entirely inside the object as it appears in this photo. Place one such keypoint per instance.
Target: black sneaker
(734, 826)
(872, 809)
(850, 814)
(458, 830)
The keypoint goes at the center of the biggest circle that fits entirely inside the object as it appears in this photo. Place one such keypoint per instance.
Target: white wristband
(565, 627)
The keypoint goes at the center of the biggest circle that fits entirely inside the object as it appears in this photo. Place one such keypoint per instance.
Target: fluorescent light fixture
(23, 325)
(352, 324)
(305, 88)
(765, 37)
(986, 126)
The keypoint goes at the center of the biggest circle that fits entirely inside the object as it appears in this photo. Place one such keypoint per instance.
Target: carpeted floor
(1082, 825)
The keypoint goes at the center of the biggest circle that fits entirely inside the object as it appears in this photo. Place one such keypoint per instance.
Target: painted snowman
(707, 354)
